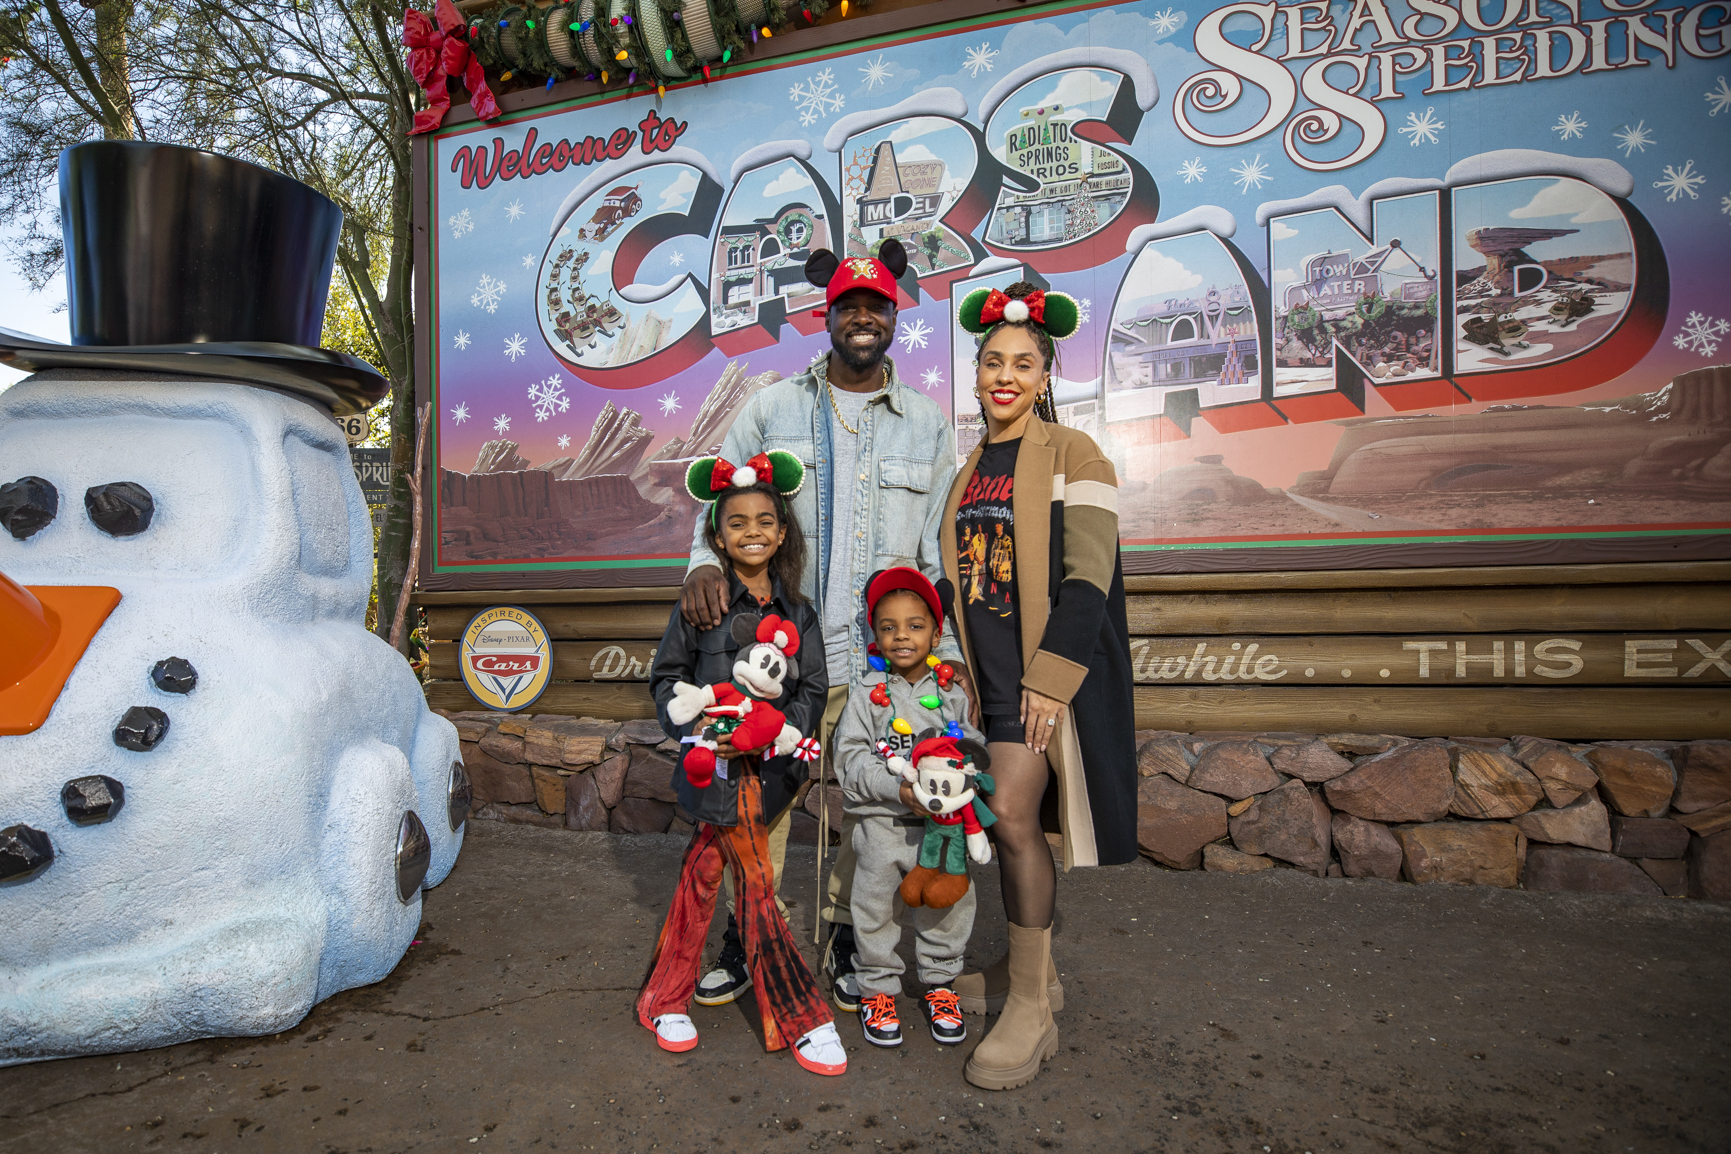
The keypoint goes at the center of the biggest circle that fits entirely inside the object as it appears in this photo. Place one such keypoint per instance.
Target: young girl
(753, 530)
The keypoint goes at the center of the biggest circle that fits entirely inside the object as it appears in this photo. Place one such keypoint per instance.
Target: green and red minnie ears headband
(709, 477)
(1055, 312)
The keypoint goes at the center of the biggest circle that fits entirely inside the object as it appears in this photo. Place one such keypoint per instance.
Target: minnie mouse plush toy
(741, 709)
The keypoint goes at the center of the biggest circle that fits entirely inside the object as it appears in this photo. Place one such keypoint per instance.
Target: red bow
(993, 310)
(722, 475)
(438, 52)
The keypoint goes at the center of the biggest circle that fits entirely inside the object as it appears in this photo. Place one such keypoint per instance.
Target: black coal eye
(27, 505)
(120, 508)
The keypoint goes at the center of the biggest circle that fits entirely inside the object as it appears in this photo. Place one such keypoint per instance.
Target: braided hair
(1044, 407)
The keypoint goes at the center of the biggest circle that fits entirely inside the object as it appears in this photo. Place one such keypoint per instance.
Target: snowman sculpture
(220, 796)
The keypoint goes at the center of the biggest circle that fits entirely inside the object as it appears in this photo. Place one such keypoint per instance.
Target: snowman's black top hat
(182, 261)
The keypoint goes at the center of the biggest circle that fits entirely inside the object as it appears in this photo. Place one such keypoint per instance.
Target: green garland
(513, 40)
(730, 30)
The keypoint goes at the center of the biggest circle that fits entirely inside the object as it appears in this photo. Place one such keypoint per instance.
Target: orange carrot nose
(44, 630)
(26, 635)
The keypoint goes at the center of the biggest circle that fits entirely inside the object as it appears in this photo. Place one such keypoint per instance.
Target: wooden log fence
(1582, 651)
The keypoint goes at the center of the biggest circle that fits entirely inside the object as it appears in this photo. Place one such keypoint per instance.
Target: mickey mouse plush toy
(948, 775)
(741, 708)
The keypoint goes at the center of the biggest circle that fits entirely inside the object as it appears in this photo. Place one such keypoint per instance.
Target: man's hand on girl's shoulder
(703, 599)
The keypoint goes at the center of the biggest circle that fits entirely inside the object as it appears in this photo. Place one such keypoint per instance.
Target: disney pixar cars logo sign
(506, 660)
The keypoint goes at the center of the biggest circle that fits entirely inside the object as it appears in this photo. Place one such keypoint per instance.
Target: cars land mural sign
(1373, 283)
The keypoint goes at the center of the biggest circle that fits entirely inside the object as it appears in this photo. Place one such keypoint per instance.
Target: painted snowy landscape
(1498, 309)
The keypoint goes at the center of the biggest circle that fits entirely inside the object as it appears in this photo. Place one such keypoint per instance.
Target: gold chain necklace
(836, 409)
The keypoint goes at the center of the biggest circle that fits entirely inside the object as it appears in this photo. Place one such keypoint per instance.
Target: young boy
(905, 694)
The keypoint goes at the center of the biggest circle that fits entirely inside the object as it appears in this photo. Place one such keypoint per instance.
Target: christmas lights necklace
(837, 409)
(880, 696)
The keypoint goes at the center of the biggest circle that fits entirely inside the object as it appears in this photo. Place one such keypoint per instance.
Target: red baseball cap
(900, 578)
(842, 275)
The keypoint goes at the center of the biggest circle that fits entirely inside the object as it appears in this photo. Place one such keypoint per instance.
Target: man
(879, 458)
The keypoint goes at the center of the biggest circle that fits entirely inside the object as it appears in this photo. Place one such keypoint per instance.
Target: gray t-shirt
(839, 604)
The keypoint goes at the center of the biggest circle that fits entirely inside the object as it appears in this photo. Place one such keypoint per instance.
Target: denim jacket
(907, 457)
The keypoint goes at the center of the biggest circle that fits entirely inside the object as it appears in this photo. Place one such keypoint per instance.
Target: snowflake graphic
(501, 423)
(1423, 127)
(488, 293)
(515, 346)
(1725, 205)
(1166, 22)
(1569, 127)
(1720, 98)
(676, 259)
(914, 335)
(460, 224)
(932, 378)
(1192, 170)
(514, 210)
(816, 97)
(669, 404)
(1084, 310)
(564, 441)
(1701, 334)
(1631, 140)
(529, 260)
(548, 397)
(461, 340)
(460, 413)
(876, 71)
(1251, 174)
(1680, 180)
(980, 59)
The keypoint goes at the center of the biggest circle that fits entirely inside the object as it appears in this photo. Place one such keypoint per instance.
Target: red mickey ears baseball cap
(839, 276)
(901, 577)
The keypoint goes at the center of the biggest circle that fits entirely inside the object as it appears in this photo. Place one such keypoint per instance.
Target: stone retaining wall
(1625, 817)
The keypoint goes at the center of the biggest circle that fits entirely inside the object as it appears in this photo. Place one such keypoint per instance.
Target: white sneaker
(819, 1051)
(675, 1032)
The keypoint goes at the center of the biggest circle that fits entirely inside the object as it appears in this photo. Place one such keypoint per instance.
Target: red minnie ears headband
(1055, 312)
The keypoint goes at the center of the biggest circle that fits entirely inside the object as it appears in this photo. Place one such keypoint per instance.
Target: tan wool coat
(1075, 641)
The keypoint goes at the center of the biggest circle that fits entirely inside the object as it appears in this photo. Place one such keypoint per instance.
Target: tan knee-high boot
(984, 992)
(1025, 1034)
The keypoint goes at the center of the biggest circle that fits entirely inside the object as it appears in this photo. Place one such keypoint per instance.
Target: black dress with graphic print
(986, 564)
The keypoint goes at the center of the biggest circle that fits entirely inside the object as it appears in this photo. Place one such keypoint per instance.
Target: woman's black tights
(1024, 858)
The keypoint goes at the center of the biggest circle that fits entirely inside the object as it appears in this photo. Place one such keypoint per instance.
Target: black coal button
(24, 852)
(27, 505)
(92, 800)
(174, 675)
(120, 508)
(141, 728)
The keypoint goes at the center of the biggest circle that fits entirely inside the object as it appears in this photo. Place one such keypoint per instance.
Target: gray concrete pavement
(1269, 1014)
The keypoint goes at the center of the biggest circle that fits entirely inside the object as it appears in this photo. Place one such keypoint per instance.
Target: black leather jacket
(705, 657)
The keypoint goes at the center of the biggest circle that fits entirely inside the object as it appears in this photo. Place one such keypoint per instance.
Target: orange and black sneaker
(877, 1018)
(944, 1013)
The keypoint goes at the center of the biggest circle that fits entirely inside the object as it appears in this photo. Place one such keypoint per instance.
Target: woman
(1050, 655)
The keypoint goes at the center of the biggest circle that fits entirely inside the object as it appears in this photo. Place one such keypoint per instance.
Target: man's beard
(857, 358)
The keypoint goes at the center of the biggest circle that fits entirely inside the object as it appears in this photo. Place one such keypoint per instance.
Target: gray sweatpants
(885, 850)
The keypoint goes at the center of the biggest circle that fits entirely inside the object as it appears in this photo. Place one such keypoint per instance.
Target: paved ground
(1269, 1013)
